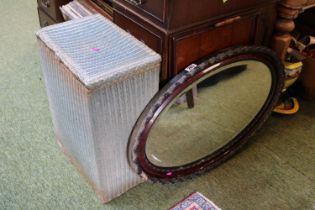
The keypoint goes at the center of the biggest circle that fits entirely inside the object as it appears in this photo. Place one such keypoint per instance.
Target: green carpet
(275, 171)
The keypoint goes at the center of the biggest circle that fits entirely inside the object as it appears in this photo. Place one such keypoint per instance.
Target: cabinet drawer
(51, 7)
(44, 19)
(194, 45)
(153, 40)
(185, 12)
(154, 8)
(179, 14)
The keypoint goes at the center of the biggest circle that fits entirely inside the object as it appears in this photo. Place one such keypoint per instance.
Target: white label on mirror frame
(191, 67)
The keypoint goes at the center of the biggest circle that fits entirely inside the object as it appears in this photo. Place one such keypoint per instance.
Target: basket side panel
(69, 103)
(116, 109)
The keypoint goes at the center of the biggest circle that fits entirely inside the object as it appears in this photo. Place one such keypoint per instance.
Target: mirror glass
(209, 113)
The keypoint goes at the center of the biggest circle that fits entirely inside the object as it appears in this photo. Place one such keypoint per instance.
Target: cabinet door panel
(154, 41)
(149, 35)
(153, 8)
(185, 12)
(51, 7)
(44, 19)
(195, 45)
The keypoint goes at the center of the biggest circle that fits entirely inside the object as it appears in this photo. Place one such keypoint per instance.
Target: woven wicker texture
(96, 50)
(93, 125)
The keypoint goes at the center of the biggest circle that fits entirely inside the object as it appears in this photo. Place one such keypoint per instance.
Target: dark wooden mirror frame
(137, 142)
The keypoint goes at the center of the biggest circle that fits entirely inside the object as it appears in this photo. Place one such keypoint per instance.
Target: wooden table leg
(288, 10)
(190, 99)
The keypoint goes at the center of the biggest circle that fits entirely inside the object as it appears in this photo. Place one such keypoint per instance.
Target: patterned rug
(195, 201)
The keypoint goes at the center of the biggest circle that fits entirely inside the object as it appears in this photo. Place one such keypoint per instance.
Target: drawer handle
(45, 3)
(228, 21)
(137, 2)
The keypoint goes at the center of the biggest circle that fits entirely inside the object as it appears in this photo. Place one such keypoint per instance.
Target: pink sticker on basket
(95, 49)
(169, 174)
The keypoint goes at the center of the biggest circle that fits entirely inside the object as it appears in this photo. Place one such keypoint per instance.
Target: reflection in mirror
(209, 114)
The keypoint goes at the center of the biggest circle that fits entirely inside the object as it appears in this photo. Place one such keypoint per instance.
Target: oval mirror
(206, 113)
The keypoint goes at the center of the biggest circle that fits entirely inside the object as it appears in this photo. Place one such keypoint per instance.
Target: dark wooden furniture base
(49, 12)
(183, 31)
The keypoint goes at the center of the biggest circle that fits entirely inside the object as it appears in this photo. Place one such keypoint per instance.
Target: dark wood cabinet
(44, 19)
(172, 14)
(49, 12)
(146, 33)
(152, 36)
(183, 31)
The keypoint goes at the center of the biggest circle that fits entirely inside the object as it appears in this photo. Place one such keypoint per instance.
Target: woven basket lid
(97, 51)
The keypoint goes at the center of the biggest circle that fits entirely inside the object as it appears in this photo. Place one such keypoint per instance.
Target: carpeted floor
(275, 171)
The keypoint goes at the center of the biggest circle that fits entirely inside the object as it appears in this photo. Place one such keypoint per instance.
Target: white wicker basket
(98, 79)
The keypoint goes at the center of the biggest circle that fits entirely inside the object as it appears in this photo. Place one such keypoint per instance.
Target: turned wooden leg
(288, 10)
(190, 99)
